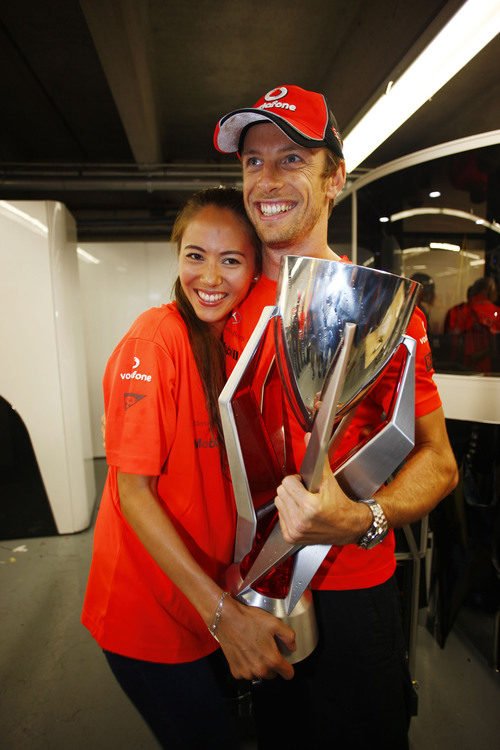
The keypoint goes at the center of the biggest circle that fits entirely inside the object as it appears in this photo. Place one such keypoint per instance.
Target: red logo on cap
(278, 93)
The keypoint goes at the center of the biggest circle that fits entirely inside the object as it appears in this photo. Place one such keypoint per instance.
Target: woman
(165, 529)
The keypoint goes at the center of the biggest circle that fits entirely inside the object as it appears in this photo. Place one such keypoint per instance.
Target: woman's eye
(194, 256)
(231, 261)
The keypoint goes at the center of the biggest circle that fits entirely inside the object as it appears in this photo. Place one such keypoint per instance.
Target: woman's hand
(247, 634)
(248, 637)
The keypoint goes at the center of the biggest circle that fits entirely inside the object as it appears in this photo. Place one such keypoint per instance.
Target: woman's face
(216, 264)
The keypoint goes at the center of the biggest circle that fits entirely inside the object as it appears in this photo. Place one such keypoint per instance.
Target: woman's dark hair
(208, 350)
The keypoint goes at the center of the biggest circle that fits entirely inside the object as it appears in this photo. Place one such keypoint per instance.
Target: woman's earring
(256, 278)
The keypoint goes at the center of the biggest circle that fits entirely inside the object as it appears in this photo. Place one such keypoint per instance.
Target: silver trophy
(307, 367)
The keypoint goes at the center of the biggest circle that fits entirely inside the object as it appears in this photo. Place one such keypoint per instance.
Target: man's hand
(247, 636)
(325, 517)
(330, 517)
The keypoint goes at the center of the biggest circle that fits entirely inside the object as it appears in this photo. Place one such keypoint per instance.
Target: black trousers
(354, 691)
(186, 705)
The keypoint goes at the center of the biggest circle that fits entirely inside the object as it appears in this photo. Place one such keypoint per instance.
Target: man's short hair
(332, 163)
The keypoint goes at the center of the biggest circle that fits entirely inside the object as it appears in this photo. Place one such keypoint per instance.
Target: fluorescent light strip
(467, 254)
(494, 225)
(415, 250)
(444, 246)
(438, 246)
(87, 257)
(8, 208)
(475, 24)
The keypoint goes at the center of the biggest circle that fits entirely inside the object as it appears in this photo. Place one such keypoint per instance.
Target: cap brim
(230, 127)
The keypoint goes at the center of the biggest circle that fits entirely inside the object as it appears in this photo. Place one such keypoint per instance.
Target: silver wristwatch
(379, 528)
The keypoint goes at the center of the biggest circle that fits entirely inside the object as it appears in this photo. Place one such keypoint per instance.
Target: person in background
(471, 328)
(354, 690)
(165, 529)
(427, 296)
(481, 342)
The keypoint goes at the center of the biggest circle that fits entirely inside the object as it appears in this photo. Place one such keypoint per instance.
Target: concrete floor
(56, 690)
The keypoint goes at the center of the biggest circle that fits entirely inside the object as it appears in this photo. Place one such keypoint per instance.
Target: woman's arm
(246, 634)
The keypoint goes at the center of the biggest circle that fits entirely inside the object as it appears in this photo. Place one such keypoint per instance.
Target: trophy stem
(276, 550)
(311, 469)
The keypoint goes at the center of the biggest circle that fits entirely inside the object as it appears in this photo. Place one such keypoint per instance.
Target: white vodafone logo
(135, 375)
(278, 93)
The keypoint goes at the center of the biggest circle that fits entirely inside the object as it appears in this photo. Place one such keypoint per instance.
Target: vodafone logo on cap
(272, 100)
(278, 93)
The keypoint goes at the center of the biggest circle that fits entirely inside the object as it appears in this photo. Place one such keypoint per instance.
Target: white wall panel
(42, 373)
(473, 398)
(122, 280)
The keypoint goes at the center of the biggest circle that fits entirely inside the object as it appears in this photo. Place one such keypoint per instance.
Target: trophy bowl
(316, 298)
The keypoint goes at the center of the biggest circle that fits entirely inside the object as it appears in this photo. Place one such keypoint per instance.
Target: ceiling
(110, 105)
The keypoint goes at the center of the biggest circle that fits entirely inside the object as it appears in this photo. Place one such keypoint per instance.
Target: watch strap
(378, 529)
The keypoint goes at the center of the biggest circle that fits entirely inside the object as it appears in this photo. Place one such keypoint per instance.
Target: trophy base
(301, 619)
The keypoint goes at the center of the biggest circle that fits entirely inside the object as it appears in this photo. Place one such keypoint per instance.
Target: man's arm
(330, 517)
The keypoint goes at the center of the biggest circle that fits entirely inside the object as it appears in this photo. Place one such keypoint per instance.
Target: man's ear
(336, 181)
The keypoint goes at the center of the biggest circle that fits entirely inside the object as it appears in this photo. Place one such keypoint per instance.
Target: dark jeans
(184, 704)
(354, 691)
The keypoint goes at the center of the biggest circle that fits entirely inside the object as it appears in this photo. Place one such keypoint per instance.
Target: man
(354, 689)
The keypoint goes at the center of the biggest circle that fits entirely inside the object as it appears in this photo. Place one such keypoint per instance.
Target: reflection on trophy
(335, 330)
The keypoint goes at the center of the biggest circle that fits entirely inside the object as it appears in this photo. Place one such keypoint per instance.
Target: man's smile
(268, 208)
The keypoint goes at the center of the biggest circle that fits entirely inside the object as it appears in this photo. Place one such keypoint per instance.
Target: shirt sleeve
(426, 394)
(487, 313)
(140, 405)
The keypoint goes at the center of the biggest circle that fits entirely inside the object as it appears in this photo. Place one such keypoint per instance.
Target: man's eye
(293, 159)
(252, 161)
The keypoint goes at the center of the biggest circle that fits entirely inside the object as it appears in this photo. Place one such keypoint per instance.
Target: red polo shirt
(157, 425)
(346, 567)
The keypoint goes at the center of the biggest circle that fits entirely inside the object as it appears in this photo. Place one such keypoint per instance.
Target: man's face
(286, 195)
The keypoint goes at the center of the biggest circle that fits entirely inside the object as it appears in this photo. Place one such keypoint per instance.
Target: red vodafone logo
(278, 93)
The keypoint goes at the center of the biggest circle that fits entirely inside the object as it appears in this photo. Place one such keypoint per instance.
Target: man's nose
(269, 177)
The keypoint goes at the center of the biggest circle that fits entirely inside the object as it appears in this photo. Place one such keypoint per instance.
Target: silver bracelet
(217, 615)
